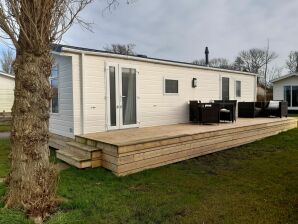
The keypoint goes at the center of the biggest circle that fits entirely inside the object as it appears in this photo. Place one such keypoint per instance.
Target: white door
(122, 97)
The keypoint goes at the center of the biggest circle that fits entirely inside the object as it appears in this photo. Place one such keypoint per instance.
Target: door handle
(124, 96)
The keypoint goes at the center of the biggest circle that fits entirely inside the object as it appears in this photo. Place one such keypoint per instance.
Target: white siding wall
(77, 95)
(155, 108)
(278, 88)
(94, 94)
(6, 93)
(62, 123)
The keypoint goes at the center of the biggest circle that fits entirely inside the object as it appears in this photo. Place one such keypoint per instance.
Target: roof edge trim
(148, 59)
(284, 77)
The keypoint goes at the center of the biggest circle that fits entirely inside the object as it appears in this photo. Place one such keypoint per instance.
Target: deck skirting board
(133, 150)
(195, 142)
(193, 146)
(180, 156)
(209, 139)
(124, 151)
(198, 136)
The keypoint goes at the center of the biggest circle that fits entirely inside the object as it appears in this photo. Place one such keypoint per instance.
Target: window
(113, 106)
(225, 88)
(54, 104)
(171, 86)
(238, 88)
(294, 96)
(287, 94)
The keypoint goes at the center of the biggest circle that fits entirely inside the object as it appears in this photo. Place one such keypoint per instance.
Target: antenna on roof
(207, 56)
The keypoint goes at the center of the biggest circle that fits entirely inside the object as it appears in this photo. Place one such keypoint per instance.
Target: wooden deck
(132, 150)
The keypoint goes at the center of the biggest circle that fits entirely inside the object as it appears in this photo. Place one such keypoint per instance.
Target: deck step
(82, 146)
(56, 143)
(76, 160)
(80, 155)
(80, 140)
(83, 150)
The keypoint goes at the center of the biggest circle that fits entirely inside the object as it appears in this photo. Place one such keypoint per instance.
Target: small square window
(171, 86)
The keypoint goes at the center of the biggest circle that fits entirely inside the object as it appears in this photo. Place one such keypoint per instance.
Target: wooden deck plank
(149, 134)
(155, 151)
(184, 155)
(211, 144)
(132, 150)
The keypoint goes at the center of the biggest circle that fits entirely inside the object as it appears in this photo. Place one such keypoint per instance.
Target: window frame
(290, 104)
(164, 86)
(229, 85)
(284, 95)
(58, 87)
(238, 81)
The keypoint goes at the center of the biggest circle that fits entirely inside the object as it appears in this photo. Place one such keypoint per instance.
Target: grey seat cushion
(273, 105)
(224, 110)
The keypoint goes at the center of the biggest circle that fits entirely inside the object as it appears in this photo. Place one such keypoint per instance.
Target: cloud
(180, 30)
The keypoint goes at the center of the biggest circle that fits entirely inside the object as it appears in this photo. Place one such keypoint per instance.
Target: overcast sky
(180, 29)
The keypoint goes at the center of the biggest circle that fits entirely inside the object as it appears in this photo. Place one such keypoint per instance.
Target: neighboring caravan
(7, 83)
(286, 88)
(97, 91)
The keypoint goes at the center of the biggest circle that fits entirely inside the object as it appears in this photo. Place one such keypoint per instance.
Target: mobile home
(7, 84)
(130, 113)
(97, 91)
(286, 88)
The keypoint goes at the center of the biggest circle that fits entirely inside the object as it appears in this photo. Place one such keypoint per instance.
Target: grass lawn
(4, 150)
(5, 126)
(255, 183)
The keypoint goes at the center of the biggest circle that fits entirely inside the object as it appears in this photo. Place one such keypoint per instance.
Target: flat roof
(285, 77)
(73, 49)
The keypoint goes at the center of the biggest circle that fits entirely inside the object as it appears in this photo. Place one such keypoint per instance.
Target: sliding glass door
(291, 95)
(294, 96)
(287, 95)
(121, 97)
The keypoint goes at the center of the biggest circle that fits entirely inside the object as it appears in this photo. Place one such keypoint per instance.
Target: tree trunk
(32, 180)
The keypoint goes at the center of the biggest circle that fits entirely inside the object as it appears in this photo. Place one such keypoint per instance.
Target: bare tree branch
(113, 4)
(292, 62)
(36, 23)
(126, 49)
(214, 62)
(254, 60)
(6, 61)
